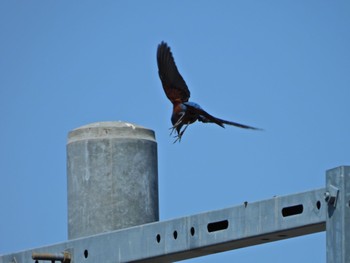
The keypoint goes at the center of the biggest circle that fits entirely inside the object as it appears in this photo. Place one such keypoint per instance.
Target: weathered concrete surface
(112, 178)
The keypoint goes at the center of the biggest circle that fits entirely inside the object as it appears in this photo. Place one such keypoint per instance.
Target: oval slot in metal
(217, 226)
(292, 210)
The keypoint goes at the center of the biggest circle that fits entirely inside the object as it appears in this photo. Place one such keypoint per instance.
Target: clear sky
(283, 66)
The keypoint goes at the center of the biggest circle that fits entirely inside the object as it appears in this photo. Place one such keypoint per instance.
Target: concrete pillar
(112, 178)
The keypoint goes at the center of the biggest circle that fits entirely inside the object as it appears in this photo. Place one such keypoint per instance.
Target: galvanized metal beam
(338, 215)
(197, 235)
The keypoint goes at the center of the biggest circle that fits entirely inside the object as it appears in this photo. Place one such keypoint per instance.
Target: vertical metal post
(338, 217)
(112, 178)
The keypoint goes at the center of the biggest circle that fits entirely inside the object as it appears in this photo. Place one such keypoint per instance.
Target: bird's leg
(177, 123)
(182, 132)
(177, 136)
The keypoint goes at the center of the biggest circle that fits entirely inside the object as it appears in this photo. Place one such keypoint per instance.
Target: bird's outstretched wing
(173, 84)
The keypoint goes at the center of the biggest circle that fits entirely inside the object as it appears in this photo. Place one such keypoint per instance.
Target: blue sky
(283, 66)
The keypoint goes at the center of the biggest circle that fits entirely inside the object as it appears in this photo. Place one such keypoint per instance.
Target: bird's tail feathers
(206, 117)
(239, 125)
(211, 119)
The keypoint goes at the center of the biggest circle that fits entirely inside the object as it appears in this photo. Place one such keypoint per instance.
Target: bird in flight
(175, 88)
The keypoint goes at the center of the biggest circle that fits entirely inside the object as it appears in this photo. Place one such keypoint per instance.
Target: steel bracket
(331, 195)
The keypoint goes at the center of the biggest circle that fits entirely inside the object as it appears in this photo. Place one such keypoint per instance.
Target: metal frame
(338, 215)
(221, 230)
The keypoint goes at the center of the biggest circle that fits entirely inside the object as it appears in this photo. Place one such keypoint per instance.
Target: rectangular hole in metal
(292, 210)
(216, 226)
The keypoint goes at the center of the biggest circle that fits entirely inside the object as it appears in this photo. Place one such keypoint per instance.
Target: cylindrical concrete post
(112, 178)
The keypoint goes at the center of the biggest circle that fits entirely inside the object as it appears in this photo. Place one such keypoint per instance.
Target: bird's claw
(172, 130)
(178, 138)
(179, 135)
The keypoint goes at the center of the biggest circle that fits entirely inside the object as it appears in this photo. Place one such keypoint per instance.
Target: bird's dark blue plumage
(175, 88)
